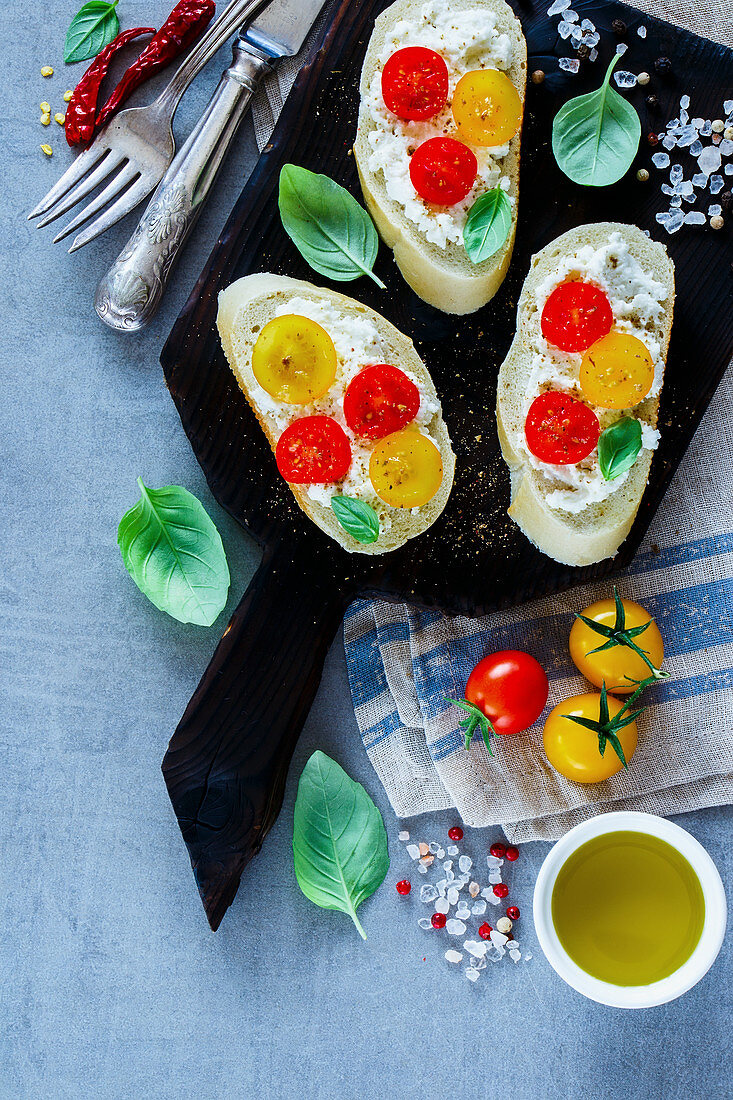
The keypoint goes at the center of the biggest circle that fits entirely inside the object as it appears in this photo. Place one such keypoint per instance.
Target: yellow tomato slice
(617, 371)
(406, 469)
(486, 107)
(294, 359)
(620, 665)
(573, 750)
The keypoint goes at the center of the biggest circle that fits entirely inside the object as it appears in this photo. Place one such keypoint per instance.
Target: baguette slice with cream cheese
(245, 308)
(594, 532)
(442, 276)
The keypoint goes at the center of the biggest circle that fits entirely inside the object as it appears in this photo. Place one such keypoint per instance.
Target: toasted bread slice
(245, 308)
(597, 531)
(442, 276)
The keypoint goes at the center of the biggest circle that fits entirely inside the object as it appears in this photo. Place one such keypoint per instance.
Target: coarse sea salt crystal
(442, 905)
(452, 896)
(404, 835)
(686, 135)
(472, 974)
(717, 183)
(621, 49)
(668, 141)
(698, 123)
(557, 6)
(477, 964)
(676, 173)
(422, 869)
(515, 956)
(728, 106)
(570, 16)
(528, 956)
(684, 117)
(428, 893)
(676, 201)
(494, 876)
(591, 38)
(674, 221)
(726, 147)
(475, 947)
(586, 25)
(425, 922)
(625, 79)
(641, 31)
(576, 35)
(709, 160)
(685, 102)
(453, 851)
(714, 209)
(661, 160)
(447, 865)
(696, 148)
(440, 853)
(465, 863)
(728, 169)
(695, 217)
(453, 956)
(498, 938)
(564, 29)
(478, 908)
(593, 53)
(455, 927)
(699, 180)
(413, 851)
(569, 64)
(463, 912)
(434, 848)
(494, 954)
(493, 861)
(706, 129)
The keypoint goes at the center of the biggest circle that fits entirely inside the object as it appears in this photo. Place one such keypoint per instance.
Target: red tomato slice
(380, 400)
(560, 429)
(442, 170)
(576, 315)
(415, 83)
(510, 688)
(313, 450)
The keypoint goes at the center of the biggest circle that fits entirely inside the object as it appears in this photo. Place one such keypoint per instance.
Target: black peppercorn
(652, 102)
(583, 50)
(618, 27)
(726, 201)
(663, 66)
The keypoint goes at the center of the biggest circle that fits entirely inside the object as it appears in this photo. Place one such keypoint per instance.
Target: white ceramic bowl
(699, 962)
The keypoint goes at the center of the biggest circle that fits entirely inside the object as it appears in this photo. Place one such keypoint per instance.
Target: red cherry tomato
(415, 83)
(510, 688)
(442, 170)
(380, 400)
(313, 450)
(576, 315)
(560, 429)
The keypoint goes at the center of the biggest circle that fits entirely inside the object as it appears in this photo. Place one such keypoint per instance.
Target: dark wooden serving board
(227, 762)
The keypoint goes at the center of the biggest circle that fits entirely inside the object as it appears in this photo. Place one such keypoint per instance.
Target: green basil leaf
(618, 447)
(92, 28)
(174, 554)
(332, 232)
(595, 136)
(339, 839)
(357, 517)
(488, 224)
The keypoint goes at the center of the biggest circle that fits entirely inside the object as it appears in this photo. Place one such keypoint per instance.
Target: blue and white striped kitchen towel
(403, 662)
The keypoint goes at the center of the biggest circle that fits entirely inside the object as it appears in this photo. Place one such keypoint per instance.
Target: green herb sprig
(475, 718)
(607, 728)
(595, 136)
(332, 232)
(487, 226)
(92, 28)
(357, 517)
(339, 840)
(621, 634)
(618, 447)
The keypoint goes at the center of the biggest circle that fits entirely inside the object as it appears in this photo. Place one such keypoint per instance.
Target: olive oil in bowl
(628, 908)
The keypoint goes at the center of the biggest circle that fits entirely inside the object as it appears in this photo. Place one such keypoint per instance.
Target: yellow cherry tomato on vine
(406, 469)
(614, 665)
(617, 371)
(573, 750)
(294, 359)
(486, 108)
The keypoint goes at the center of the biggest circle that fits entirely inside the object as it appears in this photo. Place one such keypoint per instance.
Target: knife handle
(130, 293)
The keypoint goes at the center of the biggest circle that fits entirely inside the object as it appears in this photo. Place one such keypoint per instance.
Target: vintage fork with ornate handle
(137, 145)
(130, 292)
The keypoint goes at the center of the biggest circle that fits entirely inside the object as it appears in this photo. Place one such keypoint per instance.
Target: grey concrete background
(111, 984)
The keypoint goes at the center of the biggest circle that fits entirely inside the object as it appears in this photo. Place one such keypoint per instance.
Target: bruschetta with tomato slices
(437, 147)
(347, 405)
(578, 393)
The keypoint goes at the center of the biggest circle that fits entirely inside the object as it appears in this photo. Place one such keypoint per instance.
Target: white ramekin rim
(711, 938)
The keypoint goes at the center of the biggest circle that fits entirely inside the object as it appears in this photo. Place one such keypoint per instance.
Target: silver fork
(137, 144)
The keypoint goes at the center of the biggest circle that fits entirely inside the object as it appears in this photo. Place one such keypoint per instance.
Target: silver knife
(130, 292)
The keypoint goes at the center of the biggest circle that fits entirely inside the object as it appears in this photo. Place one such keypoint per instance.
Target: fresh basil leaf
(332, 232)
(174, 554)
(618, 447)
(488, 224)
(339, 839)
(92, 28)
(357, 517)
(595, 136)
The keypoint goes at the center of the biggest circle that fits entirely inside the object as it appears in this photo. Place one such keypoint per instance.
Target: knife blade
(129, 294)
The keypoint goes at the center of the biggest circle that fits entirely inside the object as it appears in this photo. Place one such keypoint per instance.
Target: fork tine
(77, 193)
(134, 194)
(127, 174)
(76, 171)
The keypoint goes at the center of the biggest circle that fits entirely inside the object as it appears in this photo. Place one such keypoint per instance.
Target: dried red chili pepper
(82, 109)
(180, 30)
